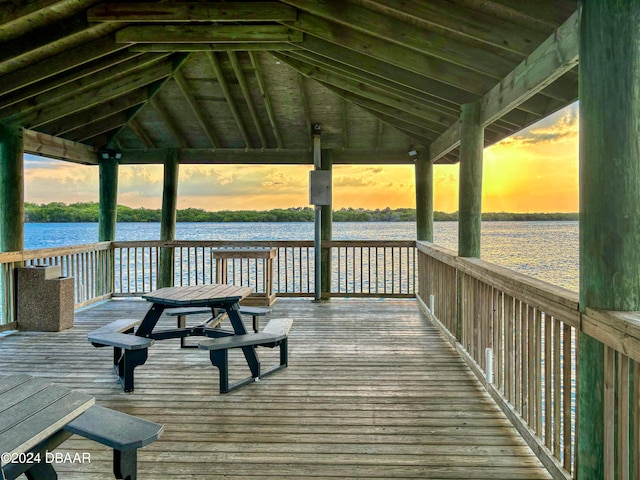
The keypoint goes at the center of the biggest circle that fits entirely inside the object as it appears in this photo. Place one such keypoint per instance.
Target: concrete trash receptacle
(45, 300)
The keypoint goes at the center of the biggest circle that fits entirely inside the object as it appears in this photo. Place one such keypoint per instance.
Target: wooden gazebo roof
(243, 82)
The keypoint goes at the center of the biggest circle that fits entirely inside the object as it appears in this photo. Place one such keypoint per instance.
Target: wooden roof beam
(93, 129)
(94, 96)
(191, 12)
(214, 47)
(136, 128)
(345, 123)
(168, 121)
(246, 92)
(63, 125)
(64, 78)
(426, 41)
(215, 63)
(374, 80)
(379, 133)
(306, 110)
(103, 79)
(45, 145)
(57, 64)
(374, 93)
(204, 122)
(207, 34)
(265, 98)
(42, 43)
(241, 156)
(554, 57)
(394, 54)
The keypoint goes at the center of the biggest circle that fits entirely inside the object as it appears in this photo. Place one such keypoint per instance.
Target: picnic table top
(198, 295)
(33, 409)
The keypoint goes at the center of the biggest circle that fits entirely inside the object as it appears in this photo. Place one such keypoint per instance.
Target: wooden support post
(168, 220)
(326, 230)
(11, 188)
(108, 200)
(470, 194)
(424, 197)
(609, 197)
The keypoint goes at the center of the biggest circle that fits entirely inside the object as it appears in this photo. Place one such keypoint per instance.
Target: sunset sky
(534, 171)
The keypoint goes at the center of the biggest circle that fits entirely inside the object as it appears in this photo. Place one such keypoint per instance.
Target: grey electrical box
(320, 187)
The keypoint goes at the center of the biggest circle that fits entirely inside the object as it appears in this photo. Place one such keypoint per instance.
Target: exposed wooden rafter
(191, 12)
(169, 122)
(246, 92)
(135, 126)
(214, 47)
(265, 98)
(99, 127)
(204, 122)
(38, 143)
(215, 63)
(207, 34)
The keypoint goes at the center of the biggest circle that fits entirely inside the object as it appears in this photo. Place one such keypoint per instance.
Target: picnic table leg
(129, 361)
(220, 359)
(41, 471)
(125, 464)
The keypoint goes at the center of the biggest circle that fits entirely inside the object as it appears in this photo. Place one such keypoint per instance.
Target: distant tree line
(88, 212)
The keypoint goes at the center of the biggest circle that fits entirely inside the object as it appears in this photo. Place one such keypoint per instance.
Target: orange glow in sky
(533, 171)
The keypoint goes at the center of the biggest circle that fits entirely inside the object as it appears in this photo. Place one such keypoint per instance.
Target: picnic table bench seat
(129, 351)
(275, 333)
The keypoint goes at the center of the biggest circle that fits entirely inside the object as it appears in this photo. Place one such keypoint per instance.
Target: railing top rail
(10, 257)
(558, 301)
(261, 243)
(618, 330)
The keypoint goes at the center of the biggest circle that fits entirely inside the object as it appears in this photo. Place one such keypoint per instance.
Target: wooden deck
(372, 391)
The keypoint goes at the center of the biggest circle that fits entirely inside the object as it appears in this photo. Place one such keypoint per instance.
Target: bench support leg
(41, 471)
(125, 464)
(220, 359)
(127, 361)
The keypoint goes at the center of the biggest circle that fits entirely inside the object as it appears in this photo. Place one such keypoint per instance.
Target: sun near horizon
(535, 170)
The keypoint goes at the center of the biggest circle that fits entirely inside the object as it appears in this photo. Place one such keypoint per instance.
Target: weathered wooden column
(424, 197)
(609, 196)
(11, 189)
(326, 229)
(168, 221)
(108, 211)
(470, 194)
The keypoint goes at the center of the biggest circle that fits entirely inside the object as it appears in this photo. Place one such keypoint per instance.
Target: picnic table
(36, 416)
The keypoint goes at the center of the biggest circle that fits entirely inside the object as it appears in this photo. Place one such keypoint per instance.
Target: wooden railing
(89, 265)
(519, 336)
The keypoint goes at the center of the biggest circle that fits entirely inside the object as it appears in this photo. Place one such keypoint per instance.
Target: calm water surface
(544, 250)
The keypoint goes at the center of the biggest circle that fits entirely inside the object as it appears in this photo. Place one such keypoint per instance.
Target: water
(544, 250)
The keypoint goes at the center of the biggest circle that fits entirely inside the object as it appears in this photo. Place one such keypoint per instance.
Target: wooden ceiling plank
(241, 156)
(96, 128)
(169, 122)
(204, 122)
(55, 65)
(215, 63)
(191, 12)
(45, 145)
(555, 56)
(91, 97)
(214, 47)
(390, 29)
(460, 20)
(207, 34)
(372, 66)
(103, 110)
(373, 93)
(103, 79)
(379, 133)
(407, 127)
(265, 98)
(376, 81)
(345, 123)
(64, 78)
(246, 92)
(397, 55)
(138, 129)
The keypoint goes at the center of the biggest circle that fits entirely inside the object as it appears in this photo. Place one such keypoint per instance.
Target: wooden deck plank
(369, 393)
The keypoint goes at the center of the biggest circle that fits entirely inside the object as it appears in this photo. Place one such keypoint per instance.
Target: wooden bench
(129, 351)
(182, 313)
(125, 434)
(275, 333)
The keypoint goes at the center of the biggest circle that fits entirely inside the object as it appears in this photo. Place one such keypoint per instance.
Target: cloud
(559, 127)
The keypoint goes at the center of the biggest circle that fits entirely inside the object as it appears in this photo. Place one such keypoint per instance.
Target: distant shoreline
(88, 213)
